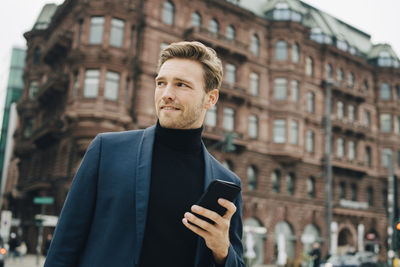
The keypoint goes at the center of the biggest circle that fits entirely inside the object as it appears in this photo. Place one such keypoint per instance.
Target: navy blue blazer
(104, 215)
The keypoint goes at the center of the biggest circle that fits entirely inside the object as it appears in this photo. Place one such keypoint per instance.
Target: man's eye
(181, 85)
(159, 83)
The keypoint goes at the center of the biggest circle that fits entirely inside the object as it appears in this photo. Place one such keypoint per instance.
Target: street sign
(46, 220)
(43, 200)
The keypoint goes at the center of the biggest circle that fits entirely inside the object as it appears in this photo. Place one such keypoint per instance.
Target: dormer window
(342, 45)
(282, 12)
(384, 59)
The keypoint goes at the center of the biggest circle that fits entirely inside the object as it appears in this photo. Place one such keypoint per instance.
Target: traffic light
(228, 143)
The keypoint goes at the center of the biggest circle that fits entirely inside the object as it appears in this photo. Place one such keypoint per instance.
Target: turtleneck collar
(184, 140)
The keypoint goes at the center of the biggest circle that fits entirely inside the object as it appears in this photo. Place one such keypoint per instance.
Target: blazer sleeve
(74, 222)
(235, 253)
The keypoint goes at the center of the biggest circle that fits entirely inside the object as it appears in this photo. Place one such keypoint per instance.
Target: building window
(36, 55)
(276, 181)
(309, 67)
(342, 190)
(117, 32)
(340, 75)
(28, 129)
(386, 123)
(385, 91)
(290, 180)
(295, 53)
(168, 13)
(230, 76)
(279, 131)
(211, 116)
(370, 196)
(310, 102)
(229, 119)
(351, 112)
(340, 109)
(111, 87)
(384, 198)
(91, 83)
(366, 85)
(311, 187)
(367, 118)
(340, 147)
(397, 92)
(80, 31)
(253, 126)
(280, 88)
(310, 142)
(33, 89)
(368, 158)
(350, 80)
(196, 19)
(294, 93)
(254, 84)
(353, 192)
(352, 150)
(281, 52)
(214, 26)
(96, 30)
(397, 125)
(230, 33)
(255, 45)
(127, 85)
(387, 155)
(75, 85)
(294, 132)
(251, 178)
(328, 71)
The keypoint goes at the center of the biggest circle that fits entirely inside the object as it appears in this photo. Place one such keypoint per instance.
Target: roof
(45, 16)
(379, 48)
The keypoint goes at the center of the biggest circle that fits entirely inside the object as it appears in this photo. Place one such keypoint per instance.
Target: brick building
(91, 65)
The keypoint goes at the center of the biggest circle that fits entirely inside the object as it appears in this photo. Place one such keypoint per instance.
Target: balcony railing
(54, 86)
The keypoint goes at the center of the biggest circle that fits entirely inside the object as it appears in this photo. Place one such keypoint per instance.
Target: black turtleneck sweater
(177, 181)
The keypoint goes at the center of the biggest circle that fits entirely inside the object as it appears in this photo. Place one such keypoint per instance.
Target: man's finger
(230, 208)
(212, 215)
(206, 226)
(194, 228)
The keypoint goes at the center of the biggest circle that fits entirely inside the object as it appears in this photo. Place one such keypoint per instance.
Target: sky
(379, 18)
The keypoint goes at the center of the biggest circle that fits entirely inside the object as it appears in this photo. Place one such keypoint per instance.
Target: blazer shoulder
(222, 172)
(120, 138)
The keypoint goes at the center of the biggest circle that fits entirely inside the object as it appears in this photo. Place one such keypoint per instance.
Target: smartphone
(215, 190)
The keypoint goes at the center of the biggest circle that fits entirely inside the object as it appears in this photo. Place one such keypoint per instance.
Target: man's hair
(197, 51)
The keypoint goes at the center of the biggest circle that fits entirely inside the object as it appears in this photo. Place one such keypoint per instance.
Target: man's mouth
(169, 108)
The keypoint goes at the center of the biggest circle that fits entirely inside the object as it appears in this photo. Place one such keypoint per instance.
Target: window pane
(386, 155)
(342, 190)
(279, 131)
(230, 33)
(214, 26)
(281, 51)
(351, 113)
(350, 80)
(211, 116)
(328, 71)
(340, 75)
(280, 87)
(340, 109)
(311, 187)
(196, 19)
(309, 67)
(117, 32)
(310, 102)
(91, 83)
(295, 91)
(340, 147)
(253, 126)
(368, 156)
(229, 119)
(397, 124)
(111, 87)
(230, 75)
(33, 89)
(370, 196)
(251, 178)
(168, 13)
(295, 53)
(386, 123)
(96, 30)
(310, 141)
(254, 84)
(275, 180)
(354, 192)
(385, 91)
(352, 150)
(368, 118)
(294, 132)
(255, 45)
(290, 183)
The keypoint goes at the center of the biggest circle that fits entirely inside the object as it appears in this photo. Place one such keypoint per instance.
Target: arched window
(276, 181)
(230, 33)
(295, 53)
(252, 178)
(350, 80)
(284, 235)
(311, 187)
(310, 235)
(196, 19)
(310, 102)
(214, 26)
(168, 13)
(328, 71)
(281, 52)
(385, 91)
(340, 75)
(290, 180)
(309, 67)
(255, 45)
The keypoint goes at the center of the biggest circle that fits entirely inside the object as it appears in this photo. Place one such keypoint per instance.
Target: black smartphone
(215, 190)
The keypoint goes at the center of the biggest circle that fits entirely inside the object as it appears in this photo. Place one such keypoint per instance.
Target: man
(132, 198)
(315, 255)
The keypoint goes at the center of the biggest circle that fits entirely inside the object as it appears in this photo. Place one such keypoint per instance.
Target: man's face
(180, 99)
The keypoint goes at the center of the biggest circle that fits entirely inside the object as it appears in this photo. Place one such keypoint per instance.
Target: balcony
(349, 93)
(219, 42)
(56, 85)
(356, 167)
(57, 47)
(348, 127)
(50, 131)
(233, 93)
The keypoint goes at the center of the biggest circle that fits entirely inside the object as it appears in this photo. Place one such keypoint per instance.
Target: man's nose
(168, 93)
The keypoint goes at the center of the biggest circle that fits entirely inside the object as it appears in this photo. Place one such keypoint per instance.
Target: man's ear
(211, 98)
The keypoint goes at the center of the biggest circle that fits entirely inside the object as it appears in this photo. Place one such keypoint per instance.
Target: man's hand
(216, 236)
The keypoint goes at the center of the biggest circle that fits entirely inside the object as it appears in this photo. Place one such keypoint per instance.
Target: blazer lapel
(143, 174)
(202, 252)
